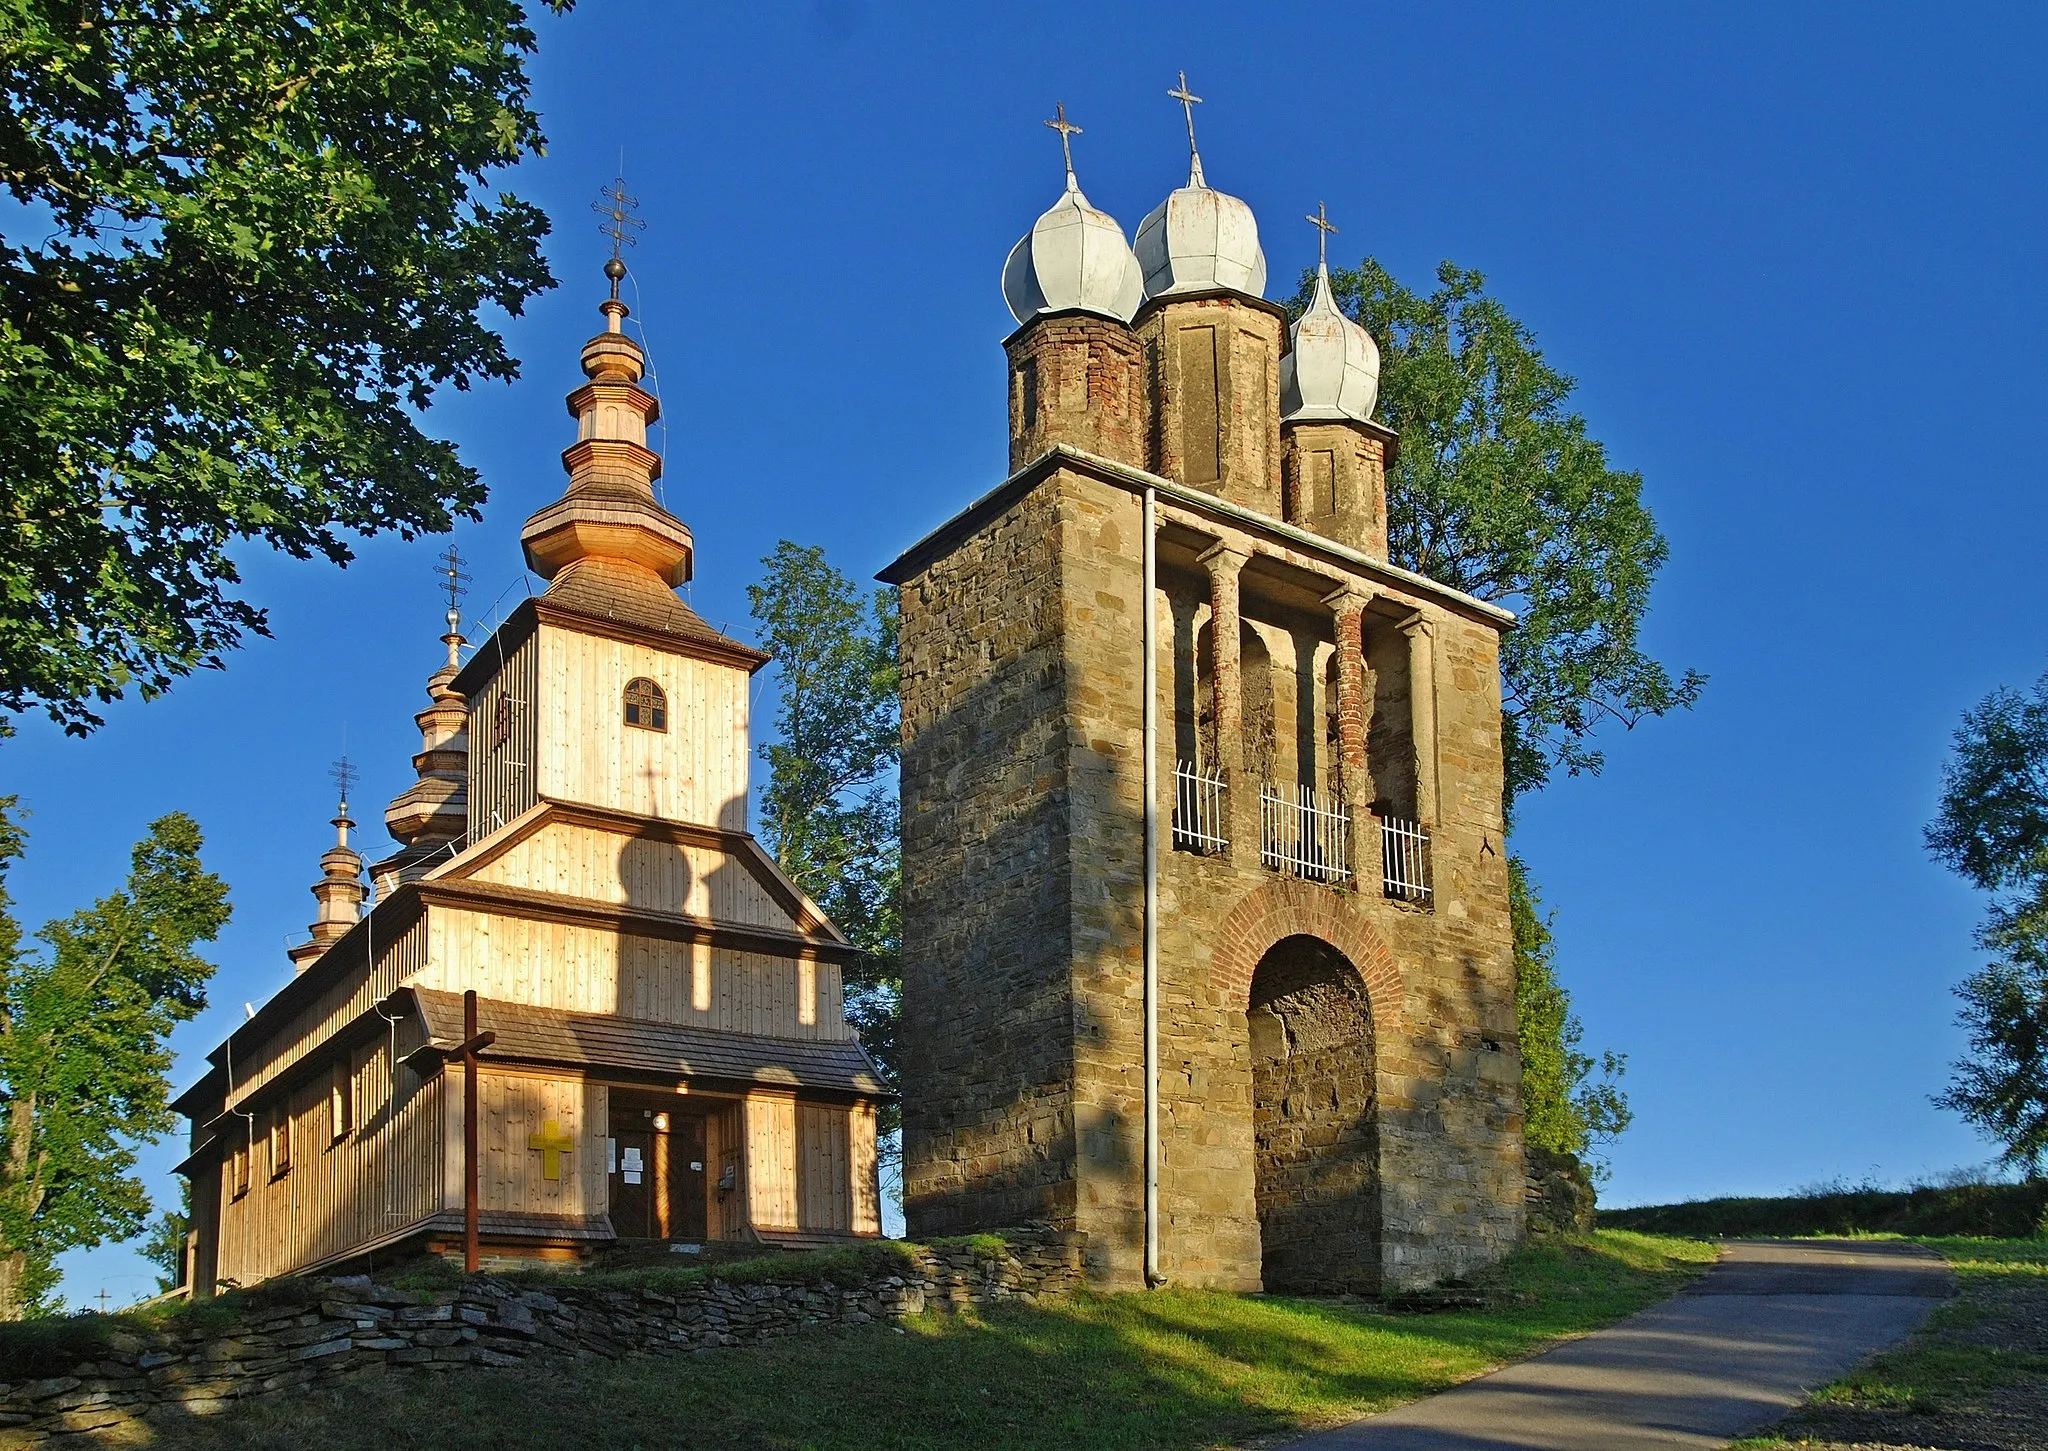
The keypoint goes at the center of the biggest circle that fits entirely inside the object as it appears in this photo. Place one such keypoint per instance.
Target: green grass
(1942, 1367)
(1174, 1369)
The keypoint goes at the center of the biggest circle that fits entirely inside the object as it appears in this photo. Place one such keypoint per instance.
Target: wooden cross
(473, 1043)
(552, 1143)
(103, 1302)
(1325, 229)
(1067, 129)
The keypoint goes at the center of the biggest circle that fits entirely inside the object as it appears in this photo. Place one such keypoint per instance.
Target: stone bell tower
(1219, 976)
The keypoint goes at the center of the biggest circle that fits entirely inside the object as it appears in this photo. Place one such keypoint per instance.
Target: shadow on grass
(1174, 1369)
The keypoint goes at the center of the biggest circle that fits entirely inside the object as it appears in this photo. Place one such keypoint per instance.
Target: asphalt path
(1767, 1324)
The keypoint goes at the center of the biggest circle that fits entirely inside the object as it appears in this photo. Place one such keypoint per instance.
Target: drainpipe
(1153, 1277)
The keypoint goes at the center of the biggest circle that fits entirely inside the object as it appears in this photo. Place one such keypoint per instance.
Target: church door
(632, 1177)
(657, 1174)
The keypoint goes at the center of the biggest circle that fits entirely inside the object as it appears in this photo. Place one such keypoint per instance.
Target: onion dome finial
(1074, 258)
(1332, 369)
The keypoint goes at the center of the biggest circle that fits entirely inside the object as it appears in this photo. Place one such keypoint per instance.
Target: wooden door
(686, 1151)
(632, 1177)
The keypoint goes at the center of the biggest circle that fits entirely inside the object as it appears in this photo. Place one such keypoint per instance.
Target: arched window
(646, 706)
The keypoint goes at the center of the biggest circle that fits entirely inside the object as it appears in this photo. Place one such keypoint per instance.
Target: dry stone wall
(324, 1330)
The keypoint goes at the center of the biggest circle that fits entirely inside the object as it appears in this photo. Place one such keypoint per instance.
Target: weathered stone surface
(1281, 663)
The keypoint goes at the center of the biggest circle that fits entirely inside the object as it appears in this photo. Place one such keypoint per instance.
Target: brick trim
(1288, 908)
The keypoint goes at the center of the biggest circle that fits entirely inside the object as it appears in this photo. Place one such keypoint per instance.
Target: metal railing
(1404, 850)
(1304, 834)
(1199, 822)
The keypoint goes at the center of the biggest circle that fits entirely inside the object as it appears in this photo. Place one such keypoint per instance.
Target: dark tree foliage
(1499, 491)
(829, 810)
(253, 244)
(84, 1023)
(1992, 829)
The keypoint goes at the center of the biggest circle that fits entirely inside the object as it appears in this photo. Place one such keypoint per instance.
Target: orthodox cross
(454, 580)
(1325, 229)
(1067, 129)
(472, 1044)
(618, 207)
(344, 775)
(552, 1143)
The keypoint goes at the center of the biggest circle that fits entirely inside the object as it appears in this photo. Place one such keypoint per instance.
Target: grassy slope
(1177, 1369)
(1946, 1367)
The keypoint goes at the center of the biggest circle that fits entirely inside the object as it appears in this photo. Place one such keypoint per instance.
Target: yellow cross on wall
(552, 1143)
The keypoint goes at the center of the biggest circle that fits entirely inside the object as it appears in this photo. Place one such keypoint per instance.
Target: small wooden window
(238, 1168)
(341, 1101)
(501, 722)
(280, 1141)
(646, 706)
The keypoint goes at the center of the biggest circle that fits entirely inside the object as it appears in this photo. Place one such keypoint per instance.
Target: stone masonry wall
(986, 1036)
(348, 1327)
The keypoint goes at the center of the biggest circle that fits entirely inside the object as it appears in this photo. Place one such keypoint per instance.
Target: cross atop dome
(1188, 101)
(1067, 130)
(1325, 229)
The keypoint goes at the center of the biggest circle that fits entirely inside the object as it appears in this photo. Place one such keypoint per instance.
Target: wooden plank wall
(771, 1169)
(726, 1138)
(349, 997)
(503, 781)
(341, 1190)
(510, 1174)
(594, 970)
(866, 1170)
(824, 1180)
(574, 860)
(696, 770)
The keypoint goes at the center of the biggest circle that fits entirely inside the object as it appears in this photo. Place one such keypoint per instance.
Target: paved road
(1770, 1322)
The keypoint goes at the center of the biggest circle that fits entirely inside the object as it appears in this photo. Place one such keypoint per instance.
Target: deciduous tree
(253, 238)
(829, 810)
(1992, 829)
(1499, 491)
(83, 1057)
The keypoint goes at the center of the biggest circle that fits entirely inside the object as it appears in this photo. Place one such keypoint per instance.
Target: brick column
(1224, 565)
(1347, 611)
(1422, 703)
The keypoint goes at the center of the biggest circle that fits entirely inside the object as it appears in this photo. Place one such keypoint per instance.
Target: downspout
(1153, 1277)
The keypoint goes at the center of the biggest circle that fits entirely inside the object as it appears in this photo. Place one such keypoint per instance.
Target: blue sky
(1792, 254)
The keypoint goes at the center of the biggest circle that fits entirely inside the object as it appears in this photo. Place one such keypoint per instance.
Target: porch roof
(551, 1036)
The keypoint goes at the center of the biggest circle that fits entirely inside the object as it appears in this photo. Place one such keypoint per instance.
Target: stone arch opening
(1315, 1120)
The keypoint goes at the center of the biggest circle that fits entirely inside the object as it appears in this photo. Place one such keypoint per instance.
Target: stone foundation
(347, 1327)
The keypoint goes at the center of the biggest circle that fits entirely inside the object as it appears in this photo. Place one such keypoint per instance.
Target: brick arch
(1286, 908)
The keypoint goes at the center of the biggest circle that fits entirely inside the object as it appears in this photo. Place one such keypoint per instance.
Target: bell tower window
(646, 706)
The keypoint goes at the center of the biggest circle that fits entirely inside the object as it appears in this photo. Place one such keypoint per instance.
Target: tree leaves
(1992, 830)
(267, 246)
(84, 1024)
(1499, 492)
(829, 809)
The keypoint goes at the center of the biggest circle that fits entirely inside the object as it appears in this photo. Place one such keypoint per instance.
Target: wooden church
(655, 1049)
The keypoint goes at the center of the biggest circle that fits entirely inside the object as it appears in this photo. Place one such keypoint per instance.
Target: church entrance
(657, 1169)
(1315, 1121)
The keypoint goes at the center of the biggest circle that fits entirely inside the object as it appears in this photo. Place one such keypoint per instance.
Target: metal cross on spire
(1325, 229)
(344, 773)
(1068, 130)
(1188, 101)
(618, 207)
(454, 579)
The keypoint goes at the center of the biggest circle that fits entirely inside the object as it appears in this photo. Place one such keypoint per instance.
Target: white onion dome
(1332, 369)
(1074, 258)
(1200, 238)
